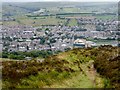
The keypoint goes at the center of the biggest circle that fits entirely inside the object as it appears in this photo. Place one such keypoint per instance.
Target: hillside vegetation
(77, 68)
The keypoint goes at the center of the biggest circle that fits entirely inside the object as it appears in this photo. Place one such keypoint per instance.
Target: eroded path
(89, 79)
(93, 76)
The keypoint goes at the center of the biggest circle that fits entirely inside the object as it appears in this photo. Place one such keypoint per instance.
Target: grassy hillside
(18, 12)
(77, 68)
(10, 9)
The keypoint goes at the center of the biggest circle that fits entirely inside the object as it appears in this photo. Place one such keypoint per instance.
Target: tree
(42, 40)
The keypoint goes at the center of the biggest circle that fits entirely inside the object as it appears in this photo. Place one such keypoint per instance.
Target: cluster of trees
(21, 55)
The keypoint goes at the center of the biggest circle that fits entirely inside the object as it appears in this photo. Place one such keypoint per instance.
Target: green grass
(43, 79)
(72, 22)
(106, 17)
(23, 20)
(78, 80)
(10, 23)
(35, 21)
(107, 83)
(55, 10)
(0, 23)
(69, 10)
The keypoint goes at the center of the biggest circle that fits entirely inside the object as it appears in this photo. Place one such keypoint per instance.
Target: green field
(10, 23)
(69, 10)
(19, 12)
(72, 22)
(106, 17)
(36, 21)
(55, 10)
(0, 23)
(52, 20)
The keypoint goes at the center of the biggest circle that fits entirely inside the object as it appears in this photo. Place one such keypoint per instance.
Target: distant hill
(11, 9)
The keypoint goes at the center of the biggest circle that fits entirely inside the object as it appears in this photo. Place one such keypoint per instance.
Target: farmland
(37, 21)
(41, 14)
(41, 21)
(52, 20)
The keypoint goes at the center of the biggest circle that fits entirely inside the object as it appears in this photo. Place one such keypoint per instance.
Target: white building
(81, 43)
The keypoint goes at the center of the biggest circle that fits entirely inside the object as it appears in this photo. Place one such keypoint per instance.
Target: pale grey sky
(60, 0)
